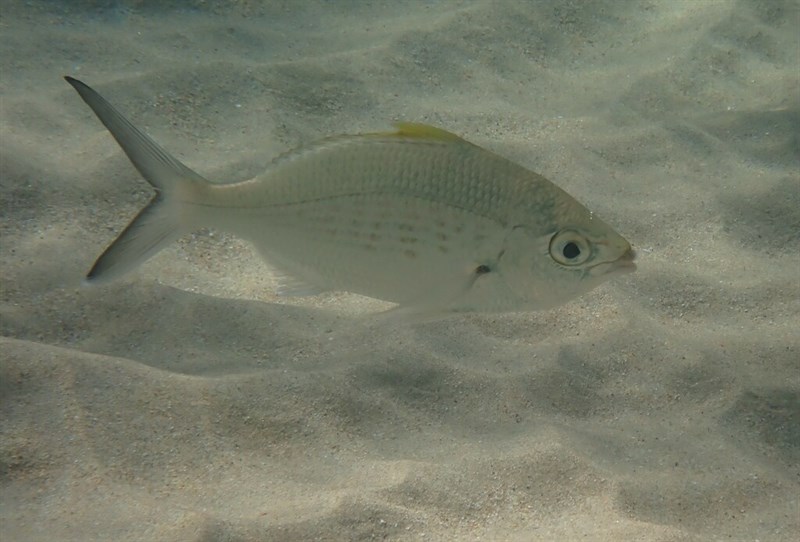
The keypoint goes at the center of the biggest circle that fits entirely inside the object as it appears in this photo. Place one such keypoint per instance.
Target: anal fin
(289, 286)
(291, 281)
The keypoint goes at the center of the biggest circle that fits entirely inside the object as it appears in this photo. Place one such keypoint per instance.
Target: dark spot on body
(482, 269)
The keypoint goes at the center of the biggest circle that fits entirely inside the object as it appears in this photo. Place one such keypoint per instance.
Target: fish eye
(571, 251)
(568, 247)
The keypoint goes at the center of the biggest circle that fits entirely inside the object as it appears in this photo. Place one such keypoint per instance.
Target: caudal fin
(159, 223)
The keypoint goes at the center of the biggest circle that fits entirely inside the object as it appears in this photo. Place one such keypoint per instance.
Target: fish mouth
(622, 265)
(625, 263)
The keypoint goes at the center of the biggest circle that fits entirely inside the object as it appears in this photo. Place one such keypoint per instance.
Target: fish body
(418, 216)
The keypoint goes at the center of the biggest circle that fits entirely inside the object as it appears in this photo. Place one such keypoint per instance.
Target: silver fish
(417, 216)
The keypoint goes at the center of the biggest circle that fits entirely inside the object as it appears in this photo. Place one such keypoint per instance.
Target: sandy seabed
(188, 402)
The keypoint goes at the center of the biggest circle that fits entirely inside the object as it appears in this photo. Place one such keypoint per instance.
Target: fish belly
(394, 248)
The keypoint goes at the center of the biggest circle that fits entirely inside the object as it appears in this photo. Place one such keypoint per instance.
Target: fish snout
(626, 263)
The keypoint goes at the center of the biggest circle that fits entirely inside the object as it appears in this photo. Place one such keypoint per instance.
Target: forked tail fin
(161, 222)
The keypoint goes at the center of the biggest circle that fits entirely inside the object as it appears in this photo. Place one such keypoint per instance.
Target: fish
(417, 216)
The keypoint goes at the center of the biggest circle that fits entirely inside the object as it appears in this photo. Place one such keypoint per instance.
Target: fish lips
(623, 265)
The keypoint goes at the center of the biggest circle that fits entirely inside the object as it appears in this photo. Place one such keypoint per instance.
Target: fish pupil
(571, 251)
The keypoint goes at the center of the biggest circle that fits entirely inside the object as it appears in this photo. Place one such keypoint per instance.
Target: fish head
(570, 259)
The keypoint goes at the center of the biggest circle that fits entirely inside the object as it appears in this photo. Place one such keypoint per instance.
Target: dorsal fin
(417, 130)
(406, 130)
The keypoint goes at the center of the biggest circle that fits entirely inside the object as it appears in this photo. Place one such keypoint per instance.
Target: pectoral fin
(437, 302)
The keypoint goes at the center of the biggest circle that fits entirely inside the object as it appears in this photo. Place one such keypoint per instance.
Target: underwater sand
(188, 402)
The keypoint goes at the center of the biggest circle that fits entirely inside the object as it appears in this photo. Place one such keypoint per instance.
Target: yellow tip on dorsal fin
(416, 130)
